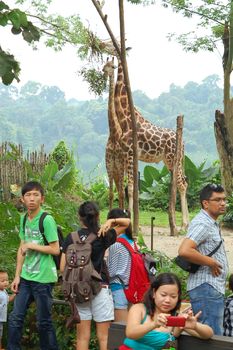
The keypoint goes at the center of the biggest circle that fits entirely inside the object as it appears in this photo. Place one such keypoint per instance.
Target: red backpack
(139, 279)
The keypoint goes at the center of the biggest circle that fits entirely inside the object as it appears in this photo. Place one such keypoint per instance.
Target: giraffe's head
(108, 68)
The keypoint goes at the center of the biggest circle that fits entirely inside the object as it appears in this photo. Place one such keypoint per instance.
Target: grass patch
(161, 217)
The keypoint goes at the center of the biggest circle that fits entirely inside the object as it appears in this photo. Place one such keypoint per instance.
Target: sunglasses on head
(215, 187)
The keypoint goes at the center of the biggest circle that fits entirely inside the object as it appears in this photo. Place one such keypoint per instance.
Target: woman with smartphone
(155, 323)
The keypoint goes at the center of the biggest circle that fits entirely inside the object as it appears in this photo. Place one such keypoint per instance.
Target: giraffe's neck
(114, 126)
(121, 101)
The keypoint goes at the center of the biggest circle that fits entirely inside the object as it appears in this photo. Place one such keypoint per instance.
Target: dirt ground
(168, 245)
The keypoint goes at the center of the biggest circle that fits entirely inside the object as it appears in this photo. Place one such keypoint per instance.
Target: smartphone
(176, 321)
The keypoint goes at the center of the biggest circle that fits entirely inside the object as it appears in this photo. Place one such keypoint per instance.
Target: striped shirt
(205, 232)
(228, 317)
(119, 262)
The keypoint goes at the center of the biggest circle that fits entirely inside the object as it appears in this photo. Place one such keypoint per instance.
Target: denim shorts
(100, 309)
(119, 299)
(207, 299)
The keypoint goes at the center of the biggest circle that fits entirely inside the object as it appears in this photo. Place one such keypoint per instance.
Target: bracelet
(115, 222)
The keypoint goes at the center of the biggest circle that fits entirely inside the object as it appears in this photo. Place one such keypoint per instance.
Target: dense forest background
(33, 115)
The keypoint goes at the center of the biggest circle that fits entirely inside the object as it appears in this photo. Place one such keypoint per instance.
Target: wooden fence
(14, 166)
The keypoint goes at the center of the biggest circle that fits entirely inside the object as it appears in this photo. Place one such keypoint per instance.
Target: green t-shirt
(39, 267)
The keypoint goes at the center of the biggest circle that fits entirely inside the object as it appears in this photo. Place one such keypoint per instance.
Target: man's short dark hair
(32, 185)
(208, 190)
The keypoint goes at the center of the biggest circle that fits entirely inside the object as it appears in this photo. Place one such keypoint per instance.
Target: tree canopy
(35, 114)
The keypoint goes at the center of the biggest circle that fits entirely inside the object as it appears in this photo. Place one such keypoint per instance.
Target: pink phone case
(176, 321)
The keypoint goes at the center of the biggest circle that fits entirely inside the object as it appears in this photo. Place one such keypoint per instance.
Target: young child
(147, 322)
(4, 299)
(228, 312)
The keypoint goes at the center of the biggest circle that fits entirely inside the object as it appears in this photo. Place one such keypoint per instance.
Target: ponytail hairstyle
(160, 280)
(121, 213)
(89, 215)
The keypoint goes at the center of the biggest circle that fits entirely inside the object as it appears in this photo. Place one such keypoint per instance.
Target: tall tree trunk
(173, 189)
(133, 120)
(224, 138)
(122, 54)
(224, 122)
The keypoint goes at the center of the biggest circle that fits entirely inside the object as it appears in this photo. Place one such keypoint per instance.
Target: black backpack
(56, 258)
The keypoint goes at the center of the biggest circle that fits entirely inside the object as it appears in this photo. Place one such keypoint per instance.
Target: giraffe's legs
(182, 188)
(120, 189)
(110, 194)
(130, 180)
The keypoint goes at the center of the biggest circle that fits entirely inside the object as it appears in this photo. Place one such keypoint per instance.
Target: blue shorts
(119, 299)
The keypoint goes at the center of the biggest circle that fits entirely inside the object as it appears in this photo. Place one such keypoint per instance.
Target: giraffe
(155, 144)
(113, 154)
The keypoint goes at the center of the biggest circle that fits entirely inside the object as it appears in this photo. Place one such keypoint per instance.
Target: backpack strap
(41, 226)
(91, 237)
(215, 249)
(24, 221)
(76, 238)
(127, 245)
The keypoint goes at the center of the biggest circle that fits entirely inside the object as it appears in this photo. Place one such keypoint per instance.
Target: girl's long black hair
(89, 215)
(121, 213)
(160, 280)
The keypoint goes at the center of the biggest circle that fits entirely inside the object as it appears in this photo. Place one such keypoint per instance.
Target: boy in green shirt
(35, 271)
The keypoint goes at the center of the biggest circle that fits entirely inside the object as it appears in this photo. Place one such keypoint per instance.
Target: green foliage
(61, 154)
(228, 217)
(197, 177)
(154, 189)
(155, 186)
(211, 15)
(95, 79)
(57, 31)
(52, 178)
(96, 191)
(9, 220)
(67, 174)
(64, 208)
(9, 67)
(144, 2)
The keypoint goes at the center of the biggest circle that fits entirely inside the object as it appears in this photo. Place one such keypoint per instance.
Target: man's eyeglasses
(218, 200)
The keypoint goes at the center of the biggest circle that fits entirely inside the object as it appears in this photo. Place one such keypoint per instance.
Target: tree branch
(104, 19)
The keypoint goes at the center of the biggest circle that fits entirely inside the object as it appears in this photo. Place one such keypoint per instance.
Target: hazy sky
(154, 62)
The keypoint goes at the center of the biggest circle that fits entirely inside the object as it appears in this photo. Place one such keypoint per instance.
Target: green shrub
(228, 217)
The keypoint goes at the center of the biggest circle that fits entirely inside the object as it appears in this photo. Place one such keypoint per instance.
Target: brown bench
(116, 336)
